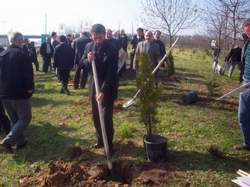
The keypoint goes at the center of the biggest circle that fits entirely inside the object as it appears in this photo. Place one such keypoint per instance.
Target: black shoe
(66, 91)
(7, 147)
(97, 145)
(21, 146)
(82, 88)
(75, 88)
(111, 151)
(62, 91)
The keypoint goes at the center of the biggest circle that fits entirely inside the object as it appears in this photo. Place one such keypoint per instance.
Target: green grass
(60, 122)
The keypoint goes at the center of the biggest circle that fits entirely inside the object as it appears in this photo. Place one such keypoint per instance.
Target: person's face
(55, 36)
(26, 41)
(98, 39)
(48, 40)
(32, 44)
(108, 34)
(122, 32)
(20, 42)
(157, 35)
(139, 34)
(247, 31)
(148, 36)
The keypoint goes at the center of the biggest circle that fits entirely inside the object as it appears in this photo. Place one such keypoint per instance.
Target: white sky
(28, 16)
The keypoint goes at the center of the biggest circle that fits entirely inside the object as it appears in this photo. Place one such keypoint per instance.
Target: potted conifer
(148, 97)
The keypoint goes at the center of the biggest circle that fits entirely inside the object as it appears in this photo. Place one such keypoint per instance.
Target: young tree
(169, 16)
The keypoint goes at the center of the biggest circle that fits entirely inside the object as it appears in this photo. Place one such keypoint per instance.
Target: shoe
(61, 91)
(7, 147)
(97, 145)
(242, 147)
(21, 146)
(66, 91)
(111, 151)
(75, 88)
(82, 88)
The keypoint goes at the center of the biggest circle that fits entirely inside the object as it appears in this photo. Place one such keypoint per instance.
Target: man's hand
(54, 69)
(135, 68)
(30, 91)
(91, 56)
(99, 97)
(160, 62)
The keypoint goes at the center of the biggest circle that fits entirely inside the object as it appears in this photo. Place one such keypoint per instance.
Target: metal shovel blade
(114, 177)
(127, 104)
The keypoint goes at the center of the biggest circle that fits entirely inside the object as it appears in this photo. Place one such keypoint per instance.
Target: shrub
(149, 94)
(212, 84)
(169, 69)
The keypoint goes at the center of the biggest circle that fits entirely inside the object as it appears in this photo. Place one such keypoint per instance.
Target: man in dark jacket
(135, 40)
(63, 61)
(235, 57)
(157, 35)
(106, 60)
(46, 51)
(33, 55)
(78, 48)
(16, 88)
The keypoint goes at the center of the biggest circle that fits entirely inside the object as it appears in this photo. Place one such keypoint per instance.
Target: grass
(60, 122)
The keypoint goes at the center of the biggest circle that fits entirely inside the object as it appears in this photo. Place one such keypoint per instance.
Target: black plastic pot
(190, 97)
(156, 147)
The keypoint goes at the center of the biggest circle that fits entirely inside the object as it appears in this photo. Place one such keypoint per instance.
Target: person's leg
(20, 116)
(156, 77)
(77, 76)
(37, 65)
(4, 120)
(84, 77)
(131, 60)
(231, 69)
(244, 117)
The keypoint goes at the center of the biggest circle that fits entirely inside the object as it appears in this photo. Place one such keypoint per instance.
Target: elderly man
(17, 86)
(46, 51)
(112, 40)
(152, 49)
(244, 99)
(106, 59)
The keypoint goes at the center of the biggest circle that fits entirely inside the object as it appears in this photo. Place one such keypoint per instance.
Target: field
(62, 130)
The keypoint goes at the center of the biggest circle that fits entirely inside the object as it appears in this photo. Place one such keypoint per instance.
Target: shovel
(112, 177)
(131, 101)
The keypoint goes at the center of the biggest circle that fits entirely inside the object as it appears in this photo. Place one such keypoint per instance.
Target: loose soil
(80, 171)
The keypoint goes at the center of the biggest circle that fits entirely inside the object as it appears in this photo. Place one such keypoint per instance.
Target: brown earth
(80, 171)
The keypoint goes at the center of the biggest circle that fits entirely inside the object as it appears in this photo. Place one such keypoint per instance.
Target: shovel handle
(104, 134)
(165, 56)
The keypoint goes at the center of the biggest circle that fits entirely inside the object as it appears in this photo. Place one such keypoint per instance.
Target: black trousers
(36, 64)
(83, 78)
(4, 120)
(131, 60)
(46, 62)
(107, 108)
(63, 75)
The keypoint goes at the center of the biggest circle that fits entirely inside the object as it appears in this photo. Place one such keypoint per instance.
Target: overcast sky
(28, 16)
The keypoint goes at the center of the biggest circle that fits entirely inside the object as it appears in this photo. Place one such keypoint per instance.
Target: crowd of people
(102, 46)
(61, 54)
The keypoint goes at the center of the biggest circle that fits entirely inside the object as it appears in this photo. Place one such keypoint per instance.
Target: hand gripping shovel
(112, 177)
(131, 101)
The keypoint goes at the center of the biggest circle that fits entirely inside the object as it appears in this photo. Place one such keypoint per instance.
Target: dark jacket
(135, 41)
(243, 57)
(106, 66)
(162, 48)
(235, 54)
(125, 43)
(33, 55)
(63, 57)
(79, 47)
(16, 74)
(1, 49)
(43, 49)
(115, 42)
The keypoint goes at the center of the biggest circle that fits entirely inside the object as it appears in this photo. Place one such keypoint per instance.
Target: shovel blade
(115, 177)
(129, 103)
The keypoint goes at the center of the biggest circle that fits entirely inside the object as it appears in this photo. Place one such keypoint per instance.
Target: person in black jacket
(135, 40)
(157, 35)
(235, 57)
(33, 55)
(46, 51)
(17, 86)
(106, 60)
(63, 61)
(78, 48)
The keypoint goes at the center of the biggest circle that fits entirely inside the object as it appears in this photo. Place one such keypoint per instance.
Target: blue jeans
(20, 116)
(244, 115)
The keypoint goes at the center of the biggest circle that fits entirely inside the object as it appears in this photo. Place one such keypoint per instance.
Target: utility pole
(46, 23)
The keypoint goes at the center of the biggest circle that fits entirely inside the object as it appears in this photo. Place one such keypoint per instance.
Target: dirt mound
(82, 172)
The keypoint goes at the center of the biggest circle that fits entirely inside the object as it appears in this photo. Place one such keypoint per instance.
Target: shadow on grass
(47, 142)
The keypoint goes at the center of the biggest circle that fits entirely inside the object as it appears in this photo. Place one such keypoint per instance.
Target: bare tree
(169, 16)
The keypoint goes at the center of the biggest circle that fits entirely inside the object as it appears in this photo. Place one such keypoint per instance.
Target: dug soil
(80, 171)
